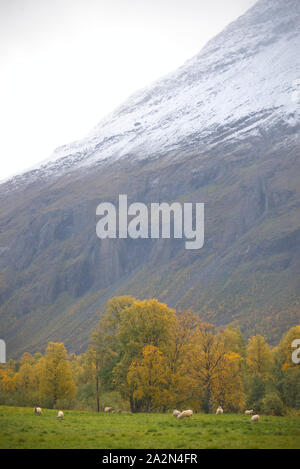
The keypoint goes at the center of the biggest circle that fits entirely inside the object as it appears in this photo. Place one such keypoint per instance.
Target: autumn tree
(286, 372)
(227, 388)
(28, 382)
(183, 331)
(213, 371)
(205, 362)
(98, 357)
(285, 348)
(234, 341)
(182, 334)
(56, 380)
(8, 379)
(149, 380)
(259, 356)
(104, 351)
(258, 379)
(143, 323)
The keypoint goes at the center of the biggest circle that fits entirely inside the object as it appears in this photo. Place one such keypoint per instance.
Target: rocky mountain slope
(223, 130)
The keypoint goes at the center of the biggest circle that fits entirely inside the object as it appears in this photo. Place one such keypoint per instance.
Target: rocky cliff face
(224, 130)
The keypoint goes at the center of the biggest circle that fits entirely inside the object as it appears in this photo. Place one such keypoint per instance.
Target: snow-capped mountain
(223, 130)
(242, 82)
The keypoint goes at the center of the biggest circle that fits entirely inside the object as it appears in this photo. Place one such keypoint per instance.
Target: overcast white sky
(64, 64)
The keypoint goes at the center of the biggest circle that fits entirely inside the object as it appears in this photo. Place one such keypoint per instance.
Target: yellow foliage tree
(182, 333)
(285, 350)
(56, 380)
(8, 380)
(149, 379)
(259, 356)
(227, 389)
(211, 368)
(143, 323)
(234, 341)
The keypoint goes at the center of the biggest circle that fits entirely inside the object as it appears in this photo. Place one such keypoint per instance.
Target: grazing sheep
(60, 414)
(37, 410)
(219, 410)
(176, 413)
(255, 418)
(249, 412)
(107, 409)
(185, 413)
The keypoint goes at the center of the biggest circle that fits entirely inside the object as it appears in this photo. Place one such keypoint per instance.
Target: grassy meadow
(20, 428)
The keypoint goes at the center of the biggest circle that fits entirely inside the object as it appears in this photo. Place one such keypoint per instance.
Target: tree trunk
(132, 406)
(149, 405)
(97, 388)
(209, 400)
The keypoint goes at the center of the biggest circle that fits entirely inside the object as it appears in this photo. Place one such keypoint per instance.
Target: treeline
(144, 357)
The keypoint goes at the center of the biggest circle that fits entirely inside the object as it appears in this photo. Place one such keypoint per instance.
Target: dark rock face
(56, 274)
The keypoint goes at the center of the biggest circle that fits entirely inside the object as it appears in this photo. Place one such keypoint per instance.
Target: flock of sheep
(176, 413)
(110, 409)
(38, 411)
(189, 413)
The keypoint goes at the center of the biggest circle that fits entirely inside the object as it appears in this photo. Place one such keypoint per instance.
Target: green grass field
(20, 428)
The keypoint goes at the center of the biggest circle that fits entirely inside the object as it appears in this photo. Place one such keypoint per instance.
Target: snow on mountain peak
(247, 73)
(248, 69)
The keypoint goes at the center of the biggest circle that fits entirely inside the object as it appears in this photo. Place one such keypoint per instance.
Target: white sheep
(37, 410)
(60, 414)
(219, 410)
(249, 412)
(185, 413)
(107, 409)
(176, 413)
(255, 418)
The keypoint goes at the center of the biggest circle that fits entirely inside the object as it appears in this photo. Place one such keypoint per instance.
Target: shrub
(273, 405)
